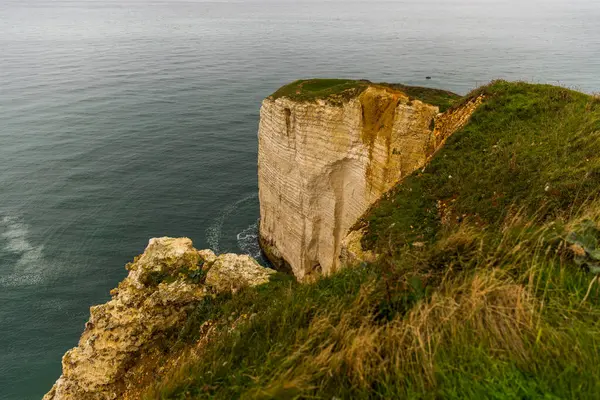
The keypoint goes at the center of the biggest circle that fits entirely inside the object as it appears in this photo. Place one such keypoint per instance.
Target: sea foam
(30, 267)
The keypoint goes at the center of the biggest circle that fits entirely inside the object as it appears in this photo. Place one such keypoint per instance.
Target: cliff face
(322, 164)
(162, 286)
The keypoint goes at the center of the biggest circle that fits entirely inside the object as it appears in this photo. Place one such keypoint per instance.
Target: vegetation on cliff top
(481, 289)
(338, 91)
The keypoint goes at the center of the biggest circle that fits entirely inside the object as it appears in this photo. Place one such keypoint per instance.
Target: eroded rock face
(163, 284)
(231, 272)
(321, 165)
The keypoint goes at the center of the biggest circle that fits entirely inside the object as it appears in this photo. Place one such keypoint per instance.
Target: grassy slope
(475, 294)
(339, 90)
(533, 147)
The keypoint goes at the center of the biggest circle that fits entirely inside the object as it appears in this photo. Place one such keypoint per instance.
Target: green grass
(339, 90)
(490, 305)
(314, 89)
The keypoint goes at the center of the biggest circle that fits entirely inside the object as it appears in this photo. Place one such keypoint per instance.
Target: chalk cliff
(162, 286)
(322, 162)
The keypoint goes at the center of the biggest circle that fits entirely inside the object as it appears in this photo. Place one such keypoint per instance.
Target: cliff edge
(328, 149)
(163, 285)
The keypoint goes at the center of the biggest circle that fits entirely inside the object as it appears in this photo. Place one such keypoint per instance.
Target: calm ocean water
(124, 120)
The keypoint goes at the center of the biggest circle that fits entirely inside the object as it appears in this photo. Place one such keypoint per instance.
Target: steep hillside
(482, 287)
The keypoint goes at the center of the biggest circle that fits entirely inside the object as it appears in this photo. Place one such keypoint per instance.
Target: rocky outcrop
(322, 164)
(162, 286)
(231, 272)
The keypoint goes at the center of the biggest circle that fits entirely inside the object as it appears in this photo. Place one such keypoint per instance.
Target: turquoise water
(124, 120)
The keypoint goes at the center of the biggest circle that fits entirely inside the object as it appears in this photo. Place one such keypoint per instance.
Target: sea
(130, 119)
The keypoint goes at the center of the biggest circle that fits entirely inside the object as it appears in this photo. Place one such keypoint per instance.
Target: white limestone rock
(163, 284)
